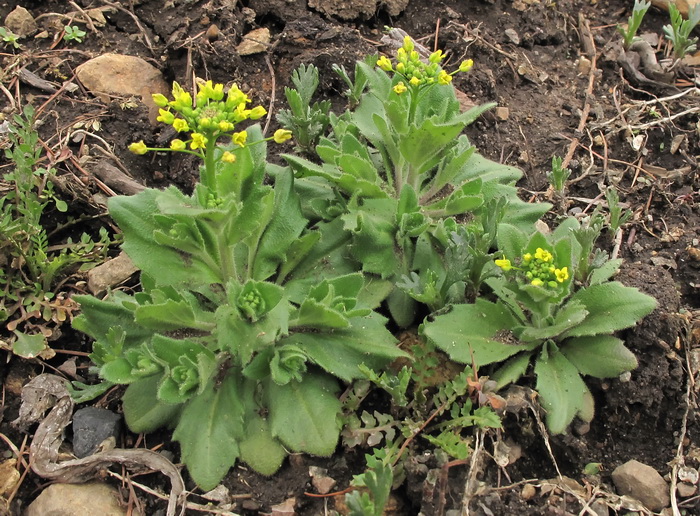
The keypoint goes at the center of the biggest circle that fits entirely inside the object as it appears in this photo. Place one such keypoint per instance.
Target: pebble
(21, 22)
(78, 500)
(91, 426)
(643, 483)
(686, 490)
(528, 492)
(255, 42)
(117, 74)
(110, 273)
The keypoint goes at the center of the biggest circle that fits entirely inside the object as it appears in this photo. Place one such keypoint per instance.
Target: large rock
(21, 22)
(643, 483)
(117, 74)
(77, 500)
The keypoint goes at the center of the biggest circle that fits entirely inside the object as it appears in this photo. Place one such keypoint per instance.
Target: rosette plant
(398, 165)
(555, 306)
(221, 343)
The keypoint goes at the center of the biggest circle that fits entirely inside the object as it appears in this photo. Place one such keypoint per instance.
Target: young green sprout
(678, 32)
(73, 33)
(559, 175)
(629, 33)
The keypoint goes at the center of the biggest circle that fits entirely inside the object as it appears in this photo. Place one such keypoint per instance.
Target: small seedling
(9, 37)
(678, 32)
(629, 33)
(617, 216)
(559, 175)
(73, 33)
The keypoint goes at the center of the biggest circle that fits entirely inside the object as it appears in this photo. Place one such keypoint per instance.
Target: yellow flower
(159, 100)
(180, 125)
(400, 67)
(177, 90)
(545, 256)
(240, 138)
(228, 157)
(236, 96)
(465, 66)
(257, 112)
(504, 264)
(138, 148)
(282, 135)
(165, 116)
(408, 43)
(212, 91)
(415, 81)
(199, 141)
(444, 77)
(562, 274)
(384, 63)
(537, 282)
(225, 126)
(177, 145)
(527, 257)
(436, 56)
(400, 88)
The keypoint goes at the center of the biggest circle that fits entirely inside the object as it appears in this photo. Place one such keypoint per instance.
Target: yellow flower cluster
(538, 268)
(417, 72)
(211, 114)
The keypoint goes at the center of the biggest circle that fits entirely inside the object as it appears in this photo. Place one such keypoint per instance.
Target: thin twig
(589, 45)
(272, 95)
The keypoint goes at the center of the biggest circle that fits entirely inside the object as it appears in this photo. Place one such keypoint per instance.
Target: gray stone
(21, 22)
(643, 483)
(91, 426)
(110, 273)
(77, 500)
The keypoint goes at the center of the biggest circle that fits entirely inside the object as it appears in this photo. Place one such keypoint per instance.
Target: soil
(529, 58)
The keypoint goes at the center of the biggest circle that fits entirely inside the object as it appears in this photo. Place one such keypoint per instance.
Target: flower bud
(138, 148)
(228, 157)
(384, 63)
(159, 100)
(282, 135)
(165, 116)
(177, 145)
(257, 113)
(466, 65)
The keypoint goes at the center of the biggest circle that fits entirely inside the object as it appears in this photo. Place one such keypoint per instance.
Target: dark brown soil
(539, 77)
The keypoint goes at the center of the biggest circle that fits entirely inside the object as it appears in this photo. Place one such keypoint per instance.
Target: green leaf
(136, 218)
(467, 332)
(601, 356)
(567, 317)
(604, 272)
(259, 449)
(283, 230)
(512, 370)
(428, 140)
(611, 307)
(142, 410)
(341, 352)
(210, 427)
(304, 415)
(29, 346)
(562, 391)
